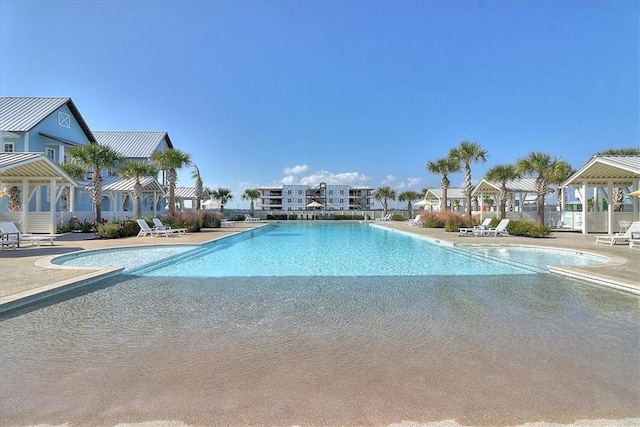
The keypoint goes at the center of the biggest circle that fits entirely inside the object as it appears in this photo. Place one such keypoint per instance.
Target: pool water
(321, 249)
(484, 350)
(502, 347)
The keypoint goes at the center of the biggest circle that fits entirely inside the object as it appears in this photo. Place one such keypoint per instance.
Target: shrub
(237, 218)
(109, 230)
(129, 228)
(63, 228)
(192, 221)
(453, 224)
(397, 217)
(444, 220)
(211, 220)
(526, 228)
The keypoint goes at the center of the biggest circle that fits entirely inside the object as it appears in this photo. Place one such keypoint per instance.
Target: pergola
(452, 194)
(31, 172)
(603, 174)
(516, 189)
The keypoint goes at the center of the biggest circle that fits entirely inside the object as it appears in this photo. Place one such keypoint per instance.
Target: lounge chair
(226, 223)
(417, 221)
(145, 230)
(11, 243)
(612, 239)
(250, 218)
(634, 240)
(500, 230)
(160, 226)
(469, 231)
(11, 233)
(387, 217)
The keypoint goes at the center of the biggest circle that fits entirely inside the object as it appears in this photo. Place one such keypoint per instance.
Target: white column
(25, 205)
(584, 208)
(52, 207)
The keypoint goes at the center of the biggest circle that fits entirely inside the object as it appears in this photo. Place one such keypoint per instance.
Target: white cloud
(414, 181)
(296, 170)
(388, 180)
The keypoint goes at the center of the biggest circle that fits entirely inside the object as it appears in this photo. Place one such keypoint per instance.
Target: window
(341, 192)
(330, 191)
(288, 200)
(64, 120)
(299, 192)
(288, 191)
(8, 147)
(51, 154)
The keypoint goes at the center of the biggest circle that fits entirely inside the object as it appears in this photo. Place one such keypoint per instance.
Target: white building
(299, 197)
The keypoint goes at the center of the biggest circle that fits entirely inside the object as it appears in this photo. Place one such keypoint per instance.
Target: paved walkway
(26, 272)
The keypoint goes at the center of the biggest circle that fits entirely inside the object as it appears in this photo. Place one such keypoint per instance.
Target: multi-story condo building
(302, 197)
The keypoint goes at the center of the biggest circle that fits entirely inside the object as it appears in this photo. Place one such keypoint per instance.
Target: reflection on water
(483, 350)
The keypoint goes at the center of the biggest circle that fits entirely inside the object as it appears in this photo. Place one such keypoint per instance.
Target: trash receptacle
(74, 224)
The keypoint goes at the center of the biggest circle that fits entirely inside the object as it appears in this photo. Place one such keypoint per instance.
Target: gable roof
(114, 183)
(35, 167)
(133, 144)
(185, 193)
(452, 193)
(600, 170)
(524, 185)
(21, 113)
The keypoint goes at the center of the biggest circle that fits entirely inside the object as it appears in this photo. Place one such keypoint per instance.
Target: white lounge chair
(612, 239)
(634, 241)
(417, 221)
(469, 231)
(500, 230)
(226, 223)
(145, 230)
(387, 217)
(160, 226)
(11, 233)
(250, 218)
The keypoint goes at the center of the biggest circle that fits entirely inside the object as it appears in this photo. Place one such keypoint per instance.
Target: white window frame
(51, 154)
(9, 144)
(64, 119)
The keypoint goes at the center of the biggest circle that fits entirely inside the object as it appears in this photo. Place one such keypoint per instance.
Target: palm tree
(251, 194)
(169, 161)
(617, 194)
(466, 153)
(136, 170)
(223, 195)
(195, 174)
(502, 174)
(95, 157)
(561, 174)
(409, 196)
(384, 194)
(545, 169)
(444, 167)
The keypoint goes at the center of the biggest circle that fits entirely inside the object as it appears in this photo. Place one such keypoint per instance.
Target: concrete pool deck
(25, 273)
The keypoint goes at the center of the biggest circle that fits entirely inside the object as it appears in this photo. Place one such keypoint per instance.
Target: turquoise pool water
(321, 249)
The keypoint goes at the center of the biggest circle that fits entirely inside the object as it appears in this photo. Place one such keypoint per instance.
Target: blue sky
(355, 92)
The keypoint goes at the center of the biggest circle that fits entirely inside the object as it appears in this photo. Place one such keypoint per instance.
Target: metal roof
(21, 114)
(35, 167)
(524, 185)
(601, 170)
(114, 183)
(452, 193)
(133, 144)
(185, 193)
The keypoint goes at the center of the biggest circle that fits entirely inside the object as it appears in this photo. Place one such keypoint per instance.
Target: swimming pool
(321, 249)
(484, 349)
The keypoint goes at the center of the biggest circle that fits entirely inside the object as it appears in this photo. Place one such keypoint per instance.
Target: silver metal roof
(452, 193)
(133, 144)
(35, 167)
(113, 183)
(21, 114)
(524, 185)
(601, 170)
(185, 193)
